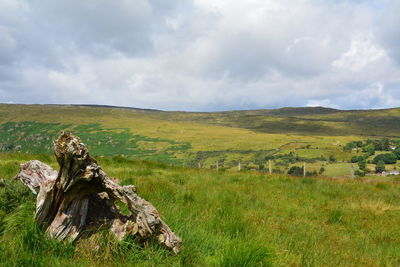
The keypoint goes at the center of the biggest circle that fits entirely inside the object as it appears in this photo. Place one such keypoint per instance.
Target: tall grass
(225, 219)
(24, 244)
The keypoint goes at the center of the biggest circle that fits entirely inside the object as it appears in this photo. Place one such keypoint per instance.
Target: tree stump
(80, 197)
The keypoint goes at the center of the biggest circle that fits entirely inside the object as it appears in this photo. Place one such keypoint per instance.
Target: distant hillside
(290, 111)
(301, 121)
(248, 137)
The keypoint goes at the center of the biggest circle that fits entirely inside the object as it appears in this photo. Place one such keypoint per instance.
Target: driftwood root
(80, 197)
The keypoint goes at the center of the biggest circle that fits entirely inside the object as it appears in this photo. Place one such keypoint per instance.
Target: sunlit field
(193, 139)
(225, 218)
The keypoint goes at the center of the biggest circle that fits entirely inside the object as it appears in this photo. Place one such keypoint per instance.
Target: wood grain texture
(80, 198)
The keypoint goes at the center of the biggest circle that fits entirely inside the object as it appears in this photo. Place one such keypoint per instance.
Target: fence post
(270, 167)
(217, 165)
(352, 171)
(239, 166)
(304, 169)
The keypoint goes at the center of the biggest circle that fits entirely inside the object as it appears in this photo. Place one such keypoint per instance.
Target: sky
(201, 55)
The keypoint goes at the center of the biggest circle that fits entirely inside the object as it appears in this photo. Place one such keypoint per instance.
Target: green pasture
(242, 218)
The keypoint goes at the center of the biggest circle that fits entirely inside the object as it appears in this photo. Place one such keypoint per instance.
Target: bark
(80, 197)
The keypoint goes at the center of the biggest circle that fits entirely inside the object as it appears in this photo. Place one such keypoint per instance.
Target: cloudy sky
(201, 55)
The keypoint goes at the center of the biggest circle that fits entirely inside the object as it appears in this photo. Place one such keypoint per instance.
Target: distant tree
(312, 173)
(321, 170)
(369, 149)
(382, 144)
(296, 171)
(359, 173)
(397, 152)
(385, 143)
(387, 158)
(349, 146)
(332, 158)
(362, 164)
(369, 142)
(355, 144)
(380, 166)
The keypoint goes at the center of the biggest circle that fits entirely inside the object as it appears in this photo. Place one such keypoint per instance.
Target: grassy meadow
(225, 218)
(189, 138)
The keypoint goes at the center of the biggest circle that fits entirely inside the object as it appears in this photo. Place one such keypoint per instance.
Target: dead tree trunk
(81, 197)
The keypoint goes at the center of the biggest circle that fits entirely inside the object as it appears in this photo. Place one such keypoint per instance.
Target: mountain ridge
(308, 121)
(311, 110)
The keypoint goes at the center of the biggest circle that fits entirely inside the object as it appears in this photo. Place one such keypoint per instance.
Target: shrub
(312, 173)
(388, 158)
(362, 164)
(397, 152)
(380, 167)
(354, 159)
(296, 171)
(359, 173)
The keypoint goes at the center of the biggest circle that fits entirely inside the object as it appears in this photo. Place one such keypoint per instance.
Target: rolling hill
(225, 217)
(250, 137)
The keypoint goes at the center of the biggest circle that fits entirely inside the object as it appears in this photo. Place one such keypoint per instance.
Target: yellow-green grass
(225, 219)
(320, 151)
(338, 169)
(202, 136)
(331, 170)
(223, 133)
(305, 121)
(312, 153)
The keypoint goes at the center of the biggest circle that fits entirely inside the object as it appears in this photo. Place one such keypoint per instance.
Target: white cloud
(200, 54)
(363, 52)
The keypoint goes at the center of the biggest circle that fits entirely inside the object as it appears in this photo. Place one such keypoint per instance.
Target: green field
(225, 218)
(193, 139)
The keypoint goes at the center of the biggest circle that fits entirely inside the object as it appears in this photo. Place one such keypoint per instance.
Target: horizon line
(228, 110)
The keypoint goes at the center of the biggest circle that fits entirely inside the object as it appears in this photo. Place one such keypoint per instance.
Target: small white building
(393, 172)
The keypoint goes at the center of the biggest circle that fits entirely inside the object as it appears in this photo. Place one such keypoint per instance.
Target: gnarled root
(80, 195)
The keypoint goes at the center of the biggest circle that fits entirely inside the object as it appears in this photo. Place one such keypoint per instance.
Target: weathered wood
(352, 171)
(80, 197)
(269, 166)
